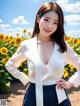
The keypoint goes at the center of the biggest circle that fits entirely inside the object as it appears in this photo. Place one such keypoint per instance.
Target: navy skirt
(49, 96)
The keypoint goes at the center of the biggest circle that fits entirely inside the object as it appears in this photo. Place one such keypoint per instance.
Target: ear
(38, 19)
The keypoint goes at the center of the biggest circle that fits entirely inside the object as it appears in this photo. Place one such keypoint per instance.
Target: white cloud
(17, 29)
(12, 31)
(62, 3)
(20, 20)
(4, 26)
(73, 33)
(69, 7)
(72, 19)
(73, 8)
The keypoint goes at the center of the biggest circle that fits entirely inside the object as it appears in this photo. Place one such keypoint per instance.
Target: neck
(43, 38)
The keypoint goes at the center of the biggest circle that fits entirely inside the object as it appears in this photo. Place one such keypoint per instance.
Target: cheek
(55, 27)
(41, 23)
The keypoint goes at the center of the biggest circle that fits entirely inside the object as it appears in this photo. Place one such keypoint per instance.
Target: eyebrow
(50, 18)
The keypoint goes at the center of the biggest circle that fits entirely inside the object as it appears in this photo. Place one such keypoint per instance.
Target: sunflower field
(69, 69)
(8, 46)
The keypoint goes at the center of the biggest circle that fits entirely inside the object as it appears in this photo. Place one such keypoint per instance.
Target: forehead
(51, 15)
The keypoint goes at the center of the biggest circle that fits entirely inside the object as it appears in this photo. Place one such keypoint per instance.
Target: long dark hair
(58, 35)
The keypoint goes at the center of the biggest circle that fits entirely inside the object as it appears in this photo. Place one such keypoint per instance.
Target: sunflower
(28, 32)
(18, 39)
(2, 36)
(24, 30)
(71, 66)
(3, 50)
(11, 37)
(76, 41)
(17, 34)
(4, 60)
(6, 38)
(12, 41)
(66, 74)
(67, 38)
(0, 50)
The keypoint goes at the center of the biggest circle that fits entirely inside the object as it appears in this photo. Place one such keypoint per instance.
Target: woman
(47, 53)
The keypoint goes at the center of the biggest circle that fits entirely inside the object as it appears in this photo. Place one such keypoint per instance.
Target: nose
(49, 26)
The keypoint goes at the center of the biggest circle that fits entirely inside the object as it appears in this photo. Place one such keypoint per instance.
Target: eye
(46, 20)
(55, 23)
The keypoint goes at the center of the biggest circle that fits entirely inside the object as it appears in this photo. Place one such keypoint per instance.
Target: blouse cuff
(75, 79)
(24, 79)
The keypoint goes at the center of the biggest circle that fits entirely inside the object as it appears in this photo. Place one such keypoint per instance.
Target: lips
(47, 30)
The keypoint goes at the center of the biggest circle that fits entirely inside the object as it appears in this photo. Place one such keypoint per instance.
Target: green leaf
(8, 84)
(10, 78)
(1, 71)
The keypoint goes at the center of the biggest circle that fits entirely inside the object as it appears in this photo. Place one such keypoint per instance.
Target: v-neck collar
(53, 52)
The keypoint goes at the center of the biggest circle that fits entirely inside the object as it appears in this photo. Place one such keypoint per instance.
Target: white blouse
(40, 73)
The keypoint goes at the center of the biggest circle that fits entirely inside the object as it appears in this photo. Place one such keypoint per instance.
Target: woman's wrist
(71, 84)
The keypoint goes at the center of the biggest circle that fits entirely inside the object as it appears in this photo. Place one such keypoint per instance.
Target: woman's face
(48, 23)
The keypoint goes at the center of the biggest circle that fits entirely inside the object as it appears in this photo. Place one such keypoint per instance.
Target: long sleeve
(72, 58)
(14, 62)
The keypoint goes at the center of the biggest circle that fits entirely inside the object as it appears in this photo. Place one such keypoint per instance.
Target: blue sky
(16, 15)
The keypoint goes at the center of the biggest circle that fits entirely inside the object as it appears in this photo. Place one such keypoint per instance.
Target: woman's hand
(64, 84)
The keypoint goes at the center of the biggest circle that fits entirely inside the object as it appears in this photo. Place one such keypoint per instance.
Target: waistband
(48, 82)
(44, 85)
